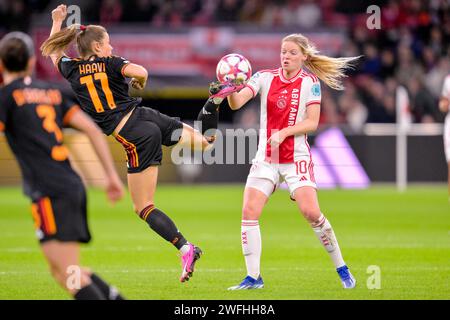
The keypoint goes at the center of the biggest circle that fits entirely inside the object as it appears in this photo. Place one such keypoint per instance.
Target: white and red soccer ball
(233, 66)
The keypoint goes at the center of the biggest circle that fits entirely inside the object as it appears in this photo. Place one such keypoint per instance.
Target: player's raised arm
(238, 99)
(114, 186)
(58, 16)
(138, 75)
(55, 52)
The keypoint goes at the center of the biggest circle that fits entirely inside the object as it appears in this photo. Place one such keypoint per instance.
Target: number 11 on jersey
(89, 82)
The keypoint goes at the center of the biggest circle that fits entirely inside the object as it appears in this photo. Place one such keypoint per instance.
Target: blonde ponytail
(60, 40)
(330, 70)
(84, 36)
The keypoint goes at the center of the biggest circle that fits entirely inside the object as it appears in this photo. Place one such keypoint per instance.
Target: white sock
(251, 246)
(324, 232)
(184, 249)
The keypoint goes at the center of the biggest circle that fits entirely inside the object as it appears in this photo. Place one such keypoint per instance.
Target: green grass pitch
(406, 235)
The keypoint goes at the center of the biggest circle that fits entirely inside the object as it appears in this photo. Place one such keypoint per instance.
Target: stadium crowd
(411, 48)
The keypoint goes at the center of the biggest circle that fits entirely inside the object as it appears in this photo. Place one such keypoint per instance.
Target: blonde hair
(330, 70)
(84, 37)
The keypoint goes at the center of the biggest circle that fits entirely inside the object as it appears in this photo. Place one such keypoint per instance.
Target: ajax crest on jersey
(233, 66)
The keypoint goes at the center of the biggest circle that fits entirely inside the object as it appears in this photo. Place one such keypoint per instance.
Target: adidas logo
(284, 91)
(303, 178)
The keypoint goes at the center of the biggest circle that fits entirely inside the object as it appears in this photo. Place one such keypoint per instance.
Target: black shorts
(62, 218)
(144, 133)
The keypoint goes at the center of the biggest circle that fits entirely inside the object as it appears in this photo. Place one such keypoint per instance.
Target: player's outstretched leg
(142, 188)
(209, 114)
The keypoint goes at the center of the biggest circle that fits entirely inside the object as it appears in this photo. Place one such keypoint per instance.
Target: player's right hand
(114, 188)
(60, 13)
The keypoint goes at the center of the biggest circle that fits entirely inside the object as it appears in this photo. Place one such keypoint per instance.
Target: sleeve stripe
(251, 88)
(57, 63)
(123, 69)
(2, 126)
(312, 102)
(69, 114)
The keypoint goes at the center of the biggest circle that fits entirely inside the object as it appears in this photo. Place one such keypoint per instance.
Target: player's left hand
(136, 84)
(114, 189)
(276, 139)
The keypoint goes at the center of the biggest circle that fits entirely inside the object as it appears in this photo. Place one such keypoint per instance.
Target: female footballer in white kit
(290, 108)
(444, 103)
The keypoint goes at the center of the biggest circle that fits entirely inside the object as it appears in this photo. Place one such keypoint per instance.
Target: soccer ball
(233, 66)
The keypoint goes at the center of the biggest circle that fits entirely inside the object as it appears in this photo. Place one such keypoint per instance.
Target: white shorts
(266, 177)
(447, 137)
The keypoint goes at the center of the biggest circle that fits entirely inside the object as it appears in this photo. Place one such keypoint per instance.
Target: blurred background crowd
(411, 48)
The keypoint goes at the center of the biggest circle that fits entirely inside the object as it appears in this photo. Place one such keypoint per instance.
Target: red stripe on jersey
(130, 148)
(269, 70)
(251, 88)
(291, 79)
(312, 102)
(44, 222)
(313, 77)
(311, 163)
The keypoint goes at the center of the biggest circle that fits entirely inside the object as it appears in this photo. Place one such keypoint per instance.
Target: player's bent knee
(250, 212)
(310, 213)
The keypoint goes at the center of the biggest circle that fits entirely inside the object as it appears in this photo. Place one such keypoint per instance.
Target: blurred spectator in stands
(429, 59)
(388, 63)
(169, 15)
(349, 49)
(38, 5)
(305, 14)
(330, 113)
(252, 12)
(140, 10)
(15, 15)
(110, 12)
(308, 14)
(407, 68)
(371, 61)
(3, 9)
(372, 94)
(356, 7)
(352, 109)
(273, 15)
(190, 9)
(435, 78)
(435, 41)
(423, 107)
(207, 14)
(228, 10)
(390, 15)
